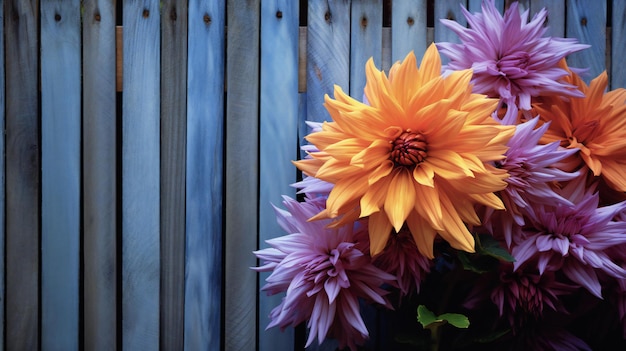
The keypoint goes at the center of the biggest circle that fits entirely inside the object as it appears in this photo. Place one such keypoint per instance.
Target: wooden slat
(60, 173)
(365, 41)
(449, 9)
(140, 176)
(241, 228)
(22, 175)
(278, 140)
(2, 180)
(205, 142)
(618, 49)
(100, 195)
(474, 6)
(587, 22)
(556, 15)
(408, 29)
(328, 63)
(173, 149)
(328, 53)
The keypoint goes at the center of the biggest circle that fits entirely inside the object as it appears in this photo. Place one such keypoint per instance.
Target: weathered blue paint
(408, 29)
(100, 183)
(618, 49)
(586, 21)
(205, 126)
(140, 176)
(278, 141)
(60, 173)
(365, 41)
(328, 53)
(242, 174)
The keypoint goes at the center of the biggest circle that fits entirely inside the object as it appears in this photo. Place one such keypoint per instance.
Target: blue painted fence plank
(242, 172)
(100, 218)
(448, 9)
(204, 184)
(60, 232)
(586, 21)
(23, 165)
(408, 28)
(474, 6)
(173, 150)
(366, 41)
(328, 53)
(618, 49)
(556, 15)
(278, 140)
(140, 176)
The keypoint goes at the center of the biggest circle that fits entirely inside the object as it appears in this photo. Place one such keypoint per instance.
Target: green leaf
(456, 319)
(429, 320)
(488, 245)
(425, 316)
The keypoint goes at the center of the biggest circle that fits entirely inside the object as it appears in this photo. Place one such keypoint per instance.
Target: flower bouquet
(476, 205)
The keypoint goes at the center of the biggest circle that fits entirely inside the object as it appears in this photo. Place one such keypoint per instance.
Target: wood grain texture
(60, 173)
(328, 53)
(100, 184)
(278, 141)
(586, 21)
(242, 173)
(365, 42)
(448, 9)
(204, 176)
(618, 49)
(23, 164)
(556, 18)
(173, 150)
(408, 29)
(140, 176)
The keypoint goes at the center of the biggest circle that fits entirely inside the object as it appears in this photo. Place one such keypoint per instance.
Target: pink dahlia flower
(531, 177)
(574, 239)
(324, 275)
(509, 55)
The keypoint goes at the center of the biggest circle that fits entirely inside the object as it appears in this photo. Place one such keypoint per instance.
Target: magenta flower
(532, 175)
(574, 239)
(324, 274)
(509, 55)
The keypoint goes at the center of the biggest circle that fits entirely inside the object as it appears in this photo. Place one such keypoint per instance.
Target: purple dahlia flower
(510, 57)
(324, 274)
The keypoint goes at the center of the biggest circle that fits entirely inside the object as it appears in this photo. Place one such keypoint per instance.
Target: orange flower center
(409, 149)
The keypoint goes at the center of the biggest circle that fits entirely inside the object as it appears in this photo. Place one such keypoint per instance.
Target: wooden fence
(129, 211)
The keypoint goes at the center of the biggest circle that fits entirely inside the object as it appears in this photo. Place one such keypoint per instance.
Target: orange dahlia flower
(595, 124)
(418, 153)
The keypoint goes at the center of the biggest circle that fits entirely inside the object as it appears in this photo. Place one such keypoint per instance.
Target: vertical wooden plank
(408, 28)
(140, 176)
(366, 27)
(618, 49)
(328, 53)
(2, 181)
(475, 6)
(22, 175)
(278, 140)
(173, 146)
(586, 21)
(205, 142)
(99, 177)
(60, 174)
(242, 173)
(448, 9)
(556, 15)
